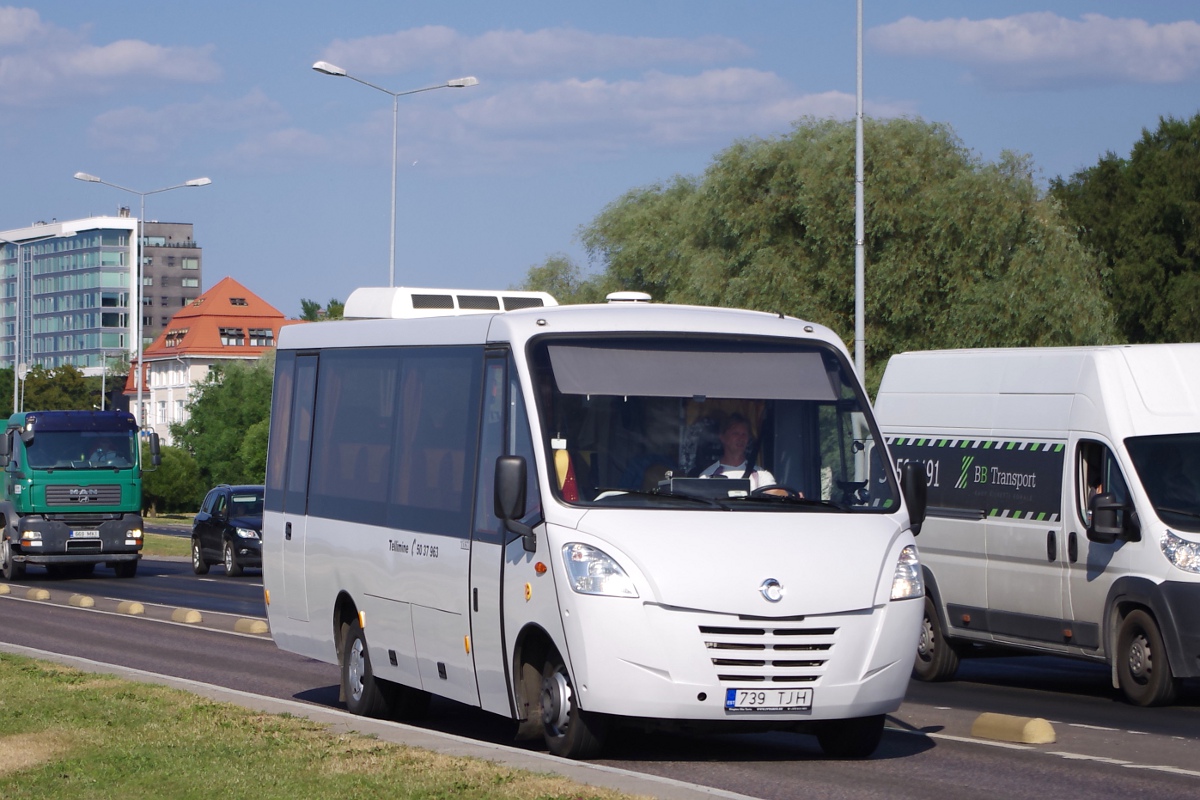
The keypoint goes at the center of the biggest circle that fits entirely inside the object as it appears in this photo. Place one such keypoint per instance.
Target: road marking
(1093, 727)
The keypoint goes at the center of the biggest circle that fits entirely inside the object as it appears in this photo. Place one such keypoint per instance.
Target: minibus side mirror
(5, 449)
(1111, 520)
(509, 500)
(915, 485)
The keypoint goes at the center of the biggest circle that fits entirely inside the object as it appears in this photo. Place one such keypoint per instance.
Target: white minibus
(513, 504)
(1064, 505)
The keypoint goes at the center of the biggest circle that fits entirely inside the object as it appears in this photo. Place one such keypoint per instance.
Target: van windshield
(1169, 469)
(689, 422)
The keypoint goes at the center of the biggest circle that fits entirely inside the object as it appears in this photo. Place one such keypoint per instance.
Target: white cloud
(155, 132)
(538, 53)
(1045, 51)
(41, 61)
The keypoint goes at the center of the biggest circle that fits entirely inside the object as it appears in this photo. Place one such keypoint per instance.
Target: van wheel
(937, 660)
(232, 567)
(199, 565)
(1143, 671)
(12, 570)
(569, 731)
(365, 696)
(850, 738)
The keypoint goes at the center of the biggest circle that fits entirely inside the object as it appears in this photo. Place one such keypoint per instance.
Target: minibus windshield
(1169, 469)
(707, 422)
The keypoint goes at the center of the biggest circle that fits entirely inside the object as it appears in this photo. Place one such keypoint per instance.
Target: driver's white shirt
(758, 477)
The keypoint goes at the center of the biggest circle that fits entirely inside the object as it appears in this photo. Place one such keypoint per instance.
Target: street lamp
(325, 68)
(17, 378)
(137, 274)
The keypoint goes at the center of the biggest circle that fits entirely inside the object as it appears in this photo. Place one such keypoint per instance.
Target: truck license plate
(768, 699)
(85, 534)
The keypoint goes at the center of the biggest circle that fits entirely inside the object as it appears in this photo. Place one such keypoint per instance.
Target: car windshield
(246, 504)
(81, 449)
(1169, 469)
(703, 422)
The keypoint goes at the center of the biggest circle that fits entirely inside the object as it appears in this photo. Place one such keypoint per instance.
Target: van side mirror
(509, 498)
(915, 485)
(5, 449)
(1111, 520)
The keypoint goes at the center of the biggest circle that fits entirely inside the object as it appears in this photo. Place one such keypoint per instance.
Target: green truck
(72, 492)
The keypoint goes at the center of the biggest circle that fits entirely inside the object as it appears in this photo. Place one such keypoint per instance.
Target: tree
(959, 253)
(223, 413)
(173, 486)
(311, 311)
(561, 278)
(1141, 216)
(59, 388)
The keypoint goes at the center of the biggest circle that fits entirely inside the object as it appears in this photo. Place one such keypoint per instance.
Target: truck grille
(83, 495)
(769, 653)
(84, 546)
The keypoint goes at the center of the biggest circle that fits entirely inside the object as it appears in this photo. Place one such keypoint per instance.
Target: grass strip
(159, 544)
(70, 734)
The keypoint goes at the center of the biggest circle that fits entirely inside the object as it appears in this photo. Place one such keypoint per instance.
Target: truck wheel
(199, 565)
(1143, 671)
(365, 696)
(232, 567)
(125, 569)
(569, 731)
(850, 738)
(937, 660)
(12, 570)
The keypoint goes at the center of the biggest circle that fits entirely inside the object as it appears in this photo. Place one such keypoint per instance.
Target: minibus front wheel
(1143, 671)
(569, 731)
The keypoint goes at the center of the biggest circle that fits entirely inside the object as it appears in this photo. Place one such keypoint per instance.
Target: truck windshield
(1169, 469)
(81, 449)
(704, 422)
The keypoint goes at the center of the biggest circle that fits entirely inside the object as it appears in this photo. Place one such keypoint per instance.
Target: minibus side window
(491, 447)
(1097, 472)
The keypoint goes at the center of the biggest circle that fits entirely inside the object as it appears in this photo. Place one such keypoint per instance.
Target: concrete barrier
(37, 594)
(81, 601)
(189, 615)
(130, 607)
(250, 626)
(1007, 728)
(4, 588)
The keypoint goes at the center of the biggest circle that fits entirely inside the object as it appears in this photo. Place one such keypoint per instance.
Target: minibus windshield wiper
(790, 500)
(1179, 511)
(665, 493)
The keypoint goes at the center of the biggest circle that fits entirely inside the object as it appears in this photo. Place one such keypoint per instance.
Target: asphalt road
(1105, 748)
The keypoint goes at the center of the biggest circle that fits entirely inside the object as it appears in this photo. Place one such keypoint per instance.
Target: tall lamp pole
(137, 273)
(859, 243)
(17, 311)
(325, 68)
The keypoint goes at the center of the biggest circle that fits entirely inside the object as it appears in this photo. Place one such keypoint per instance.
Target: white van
(1064, 504)
(506, 508)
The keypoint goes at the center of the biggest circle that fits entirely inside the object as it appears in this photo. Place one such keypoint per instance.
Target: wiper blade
(1181, 512)
(667, 493)
(791, 500)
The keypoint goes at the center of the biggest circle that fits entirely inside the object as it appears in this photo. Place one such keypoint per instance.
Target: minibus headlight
(594, 571)
(1181, 552)
(907, 581)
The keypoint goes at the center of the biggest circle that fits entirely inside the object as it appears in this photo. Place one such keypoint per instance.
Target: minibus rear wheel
(936, 660)
(1143, 671)
(365, 696)
(850, 738)
(569, 731)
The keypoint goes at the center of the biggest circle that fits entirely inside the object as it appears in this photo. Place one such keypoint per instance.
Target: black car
(228, 529)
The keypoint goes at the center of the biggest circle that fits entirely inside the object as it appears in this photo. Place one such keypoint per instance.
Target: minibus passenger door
(295, 583)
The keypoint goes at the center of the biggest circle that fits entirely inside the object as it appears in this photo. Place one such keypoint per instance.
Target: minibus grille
(789, 653)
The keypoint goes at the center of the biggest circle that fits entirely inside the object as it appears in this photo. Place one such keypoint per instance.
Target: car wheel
(569, 731)
(199, 565)
(232, 567)
(12, 570)
(1143, 671)
(365, 696)
(936, 660)
(850, 738)
(125, 569)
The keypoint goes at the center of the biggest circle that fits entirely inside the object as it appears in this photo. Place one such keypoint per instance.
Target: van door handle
(1051, 547)
(287, 531)
(1072, 547)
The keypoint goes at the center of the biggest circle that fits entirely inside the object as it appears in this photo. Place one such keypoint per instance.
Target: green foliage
(226, 428)
(1141, 215)
(61, 388)
(563, 279)
(175, 485)
(311, 311)
(959, 253)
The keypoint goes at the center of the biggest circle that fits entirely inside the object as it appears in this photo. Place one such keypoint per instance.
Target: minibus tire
(569, 731)
(199, 565)
(232, 567)
(936, 659)
(1143, 671)
(850, 738)
(365, 696)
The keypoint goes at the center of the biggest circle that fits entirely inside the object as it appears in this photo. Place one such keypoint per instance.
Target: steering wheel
(776, 490)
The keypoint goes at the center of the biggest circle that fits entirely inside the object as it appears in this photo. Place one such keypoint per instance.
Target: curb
(1007, 728)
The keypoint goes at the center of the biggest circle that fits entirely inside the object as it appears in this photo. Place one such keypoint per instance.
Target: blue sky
(576, 104)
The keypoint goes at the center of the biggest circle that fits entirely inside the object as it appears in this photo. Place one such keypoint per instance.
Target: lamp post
(137, 273)
(17, 378)
(860, 338)
(325, 68)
